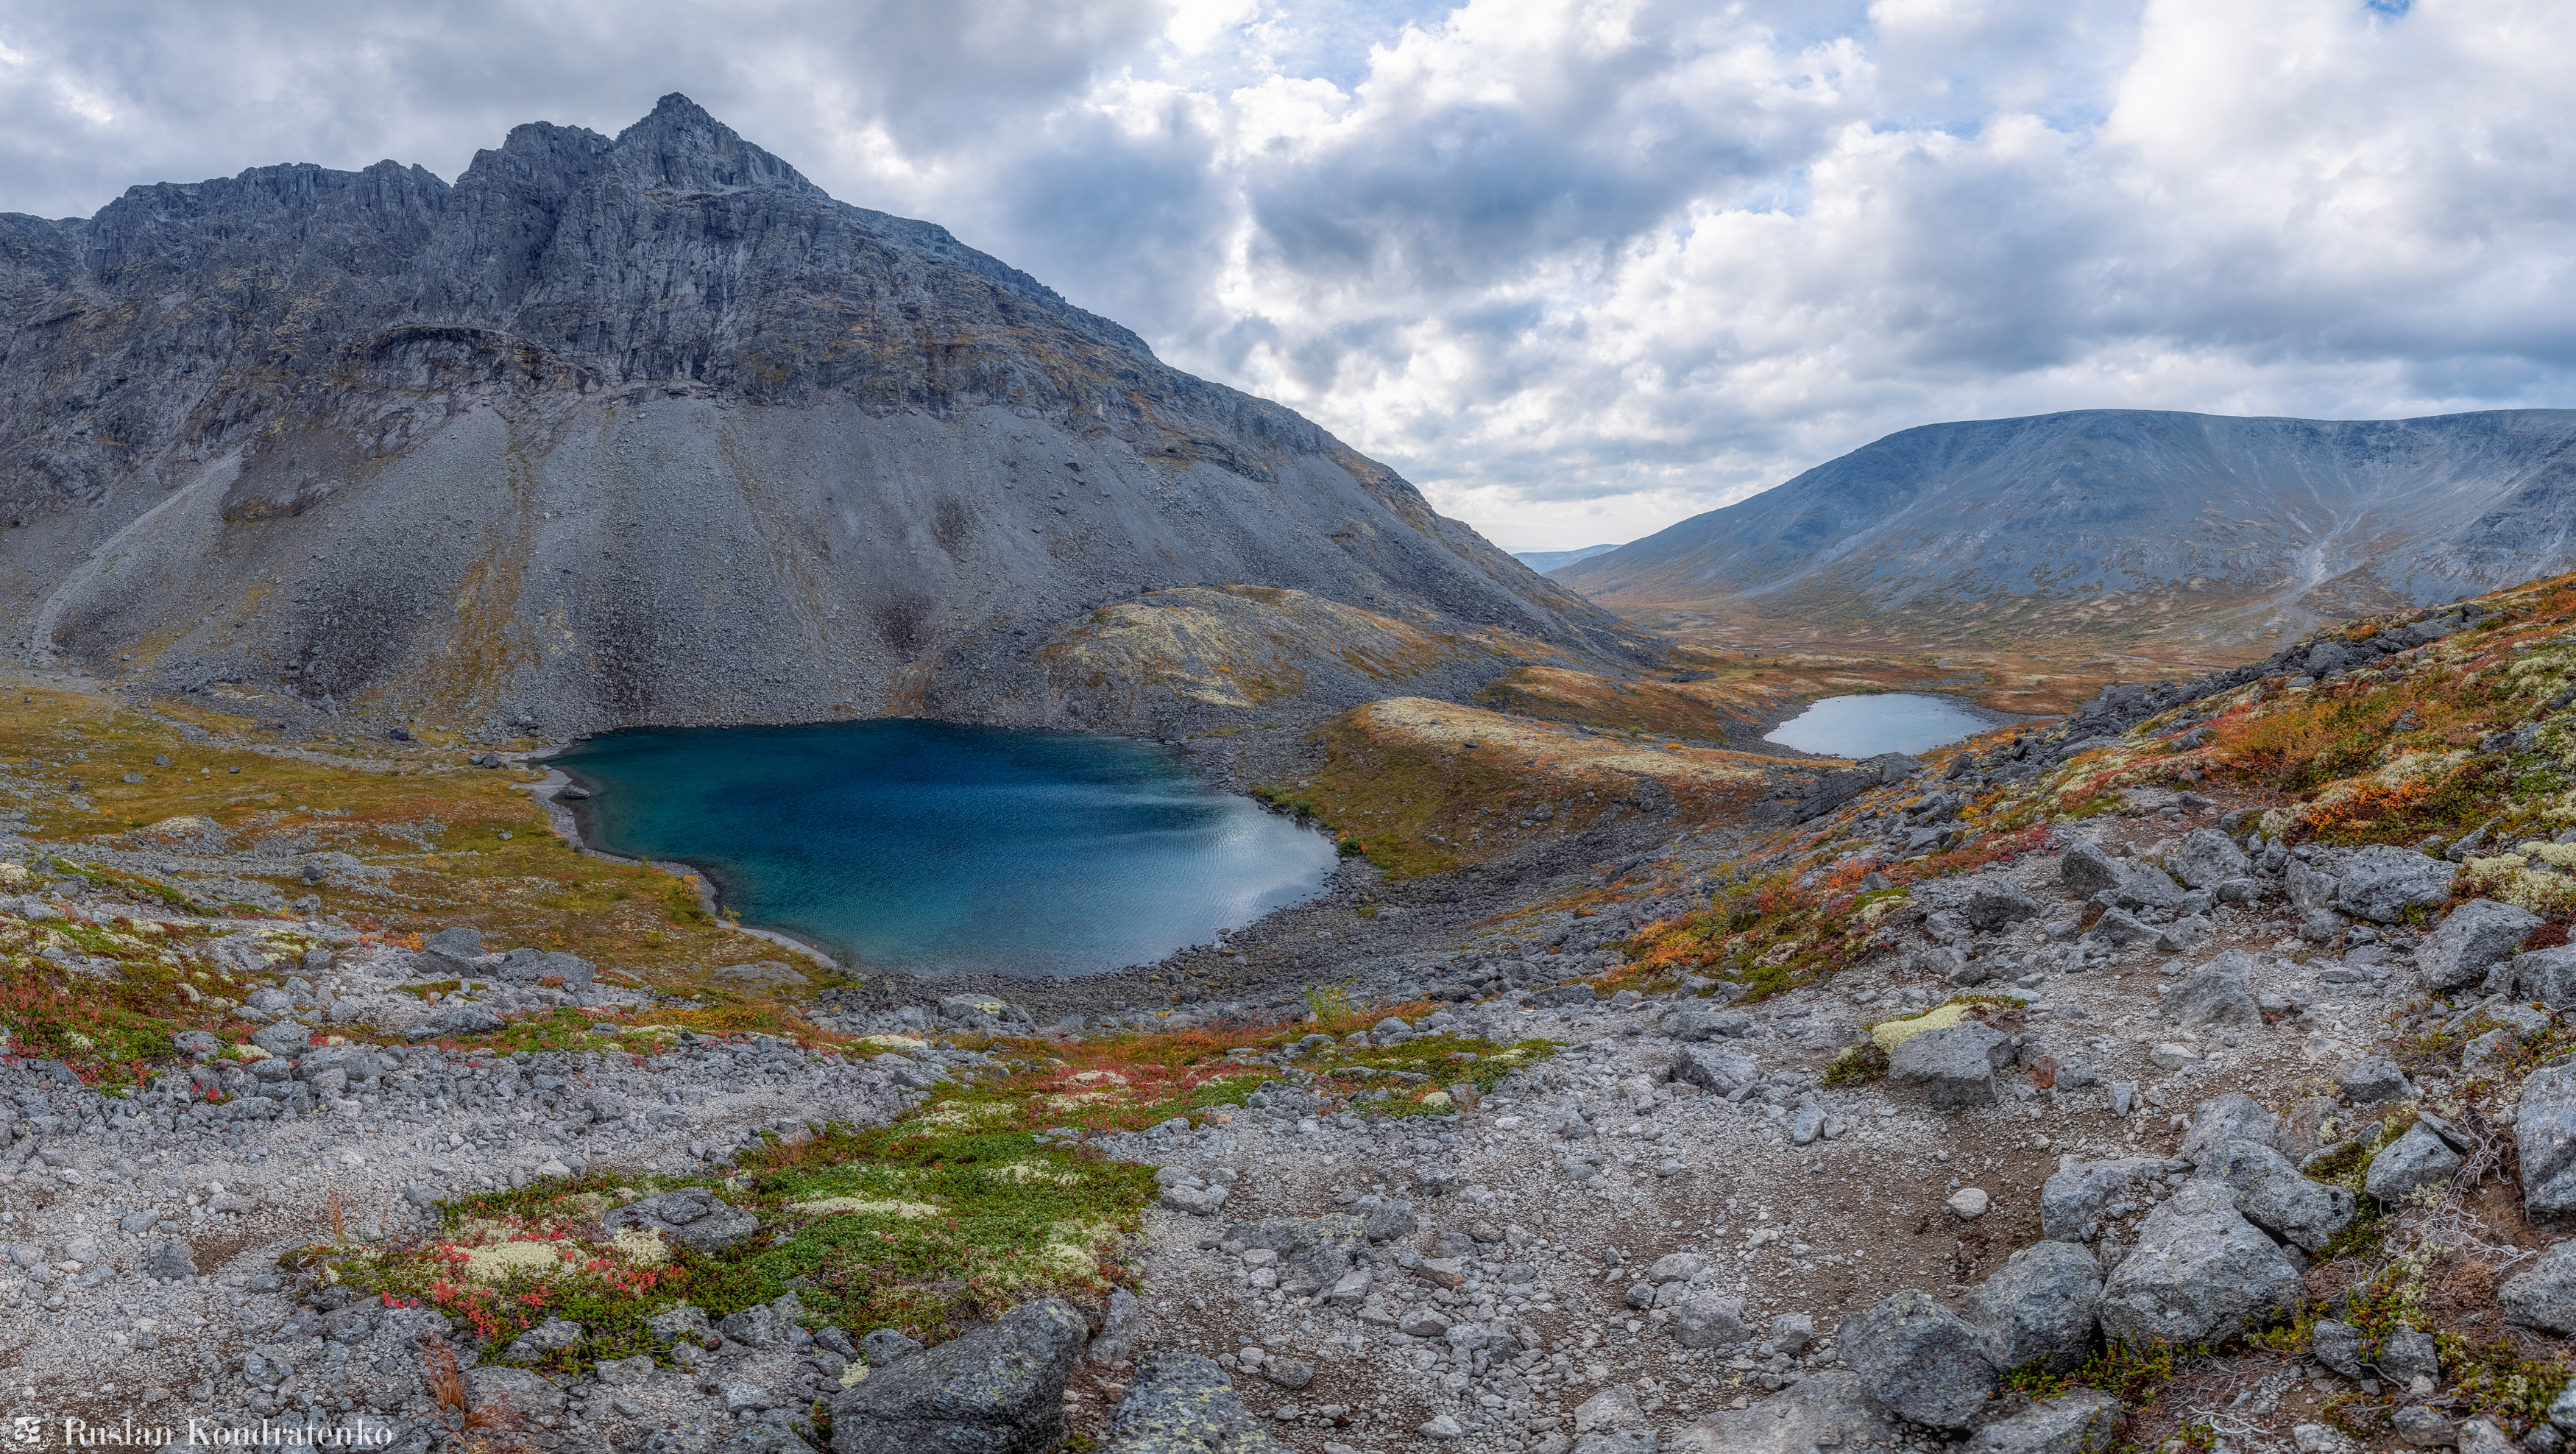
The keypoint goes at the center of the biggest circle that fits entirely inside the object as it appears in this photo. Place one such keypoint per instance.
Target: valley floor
(2168, 1076)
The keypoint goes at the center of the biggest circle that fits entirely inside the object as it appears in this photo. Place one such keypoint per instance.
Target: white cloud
(1580, 267)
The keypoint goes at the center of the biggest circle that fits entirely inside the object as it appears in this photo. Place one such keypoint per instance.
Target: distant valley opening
(1869, 724)
(940, 849)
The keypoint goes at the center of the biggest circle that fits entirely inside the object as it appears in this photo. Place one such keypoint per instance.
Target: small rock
(1288, 1372)
(2381, 883)
(2373, 1081)
(2338, 1346)
(2423, 1428)
(1830, 1410)
(169, 1261)
(1440, 1426)
(2543, 1294)
(692, 1216)
(2208, 858)
(2272, 1194)
(1967, 1203)
(1952, 1068)
(1792, 1332)
(1708, 1320)
(1181, 1403)
(885, 1347)
(2408, 1164)
(2215, 994)
(1999, 904)
(2085, 1421)
(551, 1336)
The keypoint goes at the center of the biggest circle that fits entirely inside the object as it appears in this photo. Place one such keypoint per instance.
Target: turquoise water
(1865, 726)
(944, 849)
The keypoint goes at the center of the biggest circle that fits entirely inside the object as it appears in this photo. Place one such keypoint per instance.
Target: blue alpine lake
(944, 849)
(1876, 722)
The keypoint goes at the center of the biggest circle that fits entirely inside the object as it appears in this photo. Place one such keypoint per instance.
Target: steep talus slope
(2122, 523)
(643, 429)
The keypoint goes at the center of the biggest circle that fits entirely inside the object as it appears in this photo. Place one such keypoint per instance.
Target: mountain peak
(681, 147)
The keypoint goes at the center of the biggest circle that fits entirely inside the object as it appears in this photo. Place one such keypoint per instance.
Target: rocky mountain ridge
(2124, 525)
(650, 428)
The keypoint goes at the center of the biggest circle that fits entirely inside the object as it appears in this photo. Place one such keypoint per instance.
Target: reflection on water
(939, 848)
(1865, 726)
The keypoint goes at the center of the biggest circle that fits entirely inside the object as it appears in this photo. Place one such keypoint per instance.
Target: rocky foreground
(2121, 1087)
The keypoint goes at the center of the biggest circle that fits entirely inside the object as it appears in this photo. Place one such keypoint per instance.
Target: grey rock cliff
(650, 428)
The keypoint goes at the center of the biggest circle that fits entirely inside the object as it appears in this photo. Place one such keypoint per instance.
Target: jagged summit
(651, 428)
(681, 147)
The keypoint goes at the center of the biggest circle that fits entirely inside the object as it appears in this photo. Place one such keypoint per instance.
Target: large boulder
(2217, 993)
(2310, 888)
(1181, 1403)
(2407, 1165)
(2544, 1134)
(2473, 939)
(1951, 1069)
(2086, 1421)
(2038, 1308)
(2543, 1294)
(1999, 903)
(2090, 872)
(536, 966)
(2545, 975)
(2209, 858)
(2381, 883)
(1716, 1070)
(1828, 1410)
(2199, 1274)
(690, 1217)
(1921, 1362)
(458, 1020)
(1314, 1252)
(2272, 1194)
(2086, 869)
(998, 1389)
(2234, 1116)
(2074, 1201)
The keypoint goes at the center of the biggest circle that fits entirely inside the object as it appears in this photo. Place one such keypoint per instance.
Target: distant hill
(1544, 561)
(2124, 525)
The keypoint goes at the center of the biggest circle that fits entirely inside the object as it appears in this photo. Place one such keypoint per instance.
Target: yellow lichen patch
(892, 1044)
(502, 1260)
(1096, 1077)
(1896, 1032)
(1425, 786)
(12, 875)
(1029, 1171)
(1076, 1246)
(958, 1115)
(833, 1206)
(640, 1247)
(184, 825)
(1060, 1103)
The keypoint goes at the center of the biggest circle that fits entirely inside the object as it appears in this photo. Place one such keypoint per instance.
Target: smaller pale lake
(1865, 726)
(942, 849)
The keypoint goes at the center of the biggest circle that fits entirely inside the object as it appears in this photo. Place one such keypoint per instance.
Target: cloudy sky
(1578, 269)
